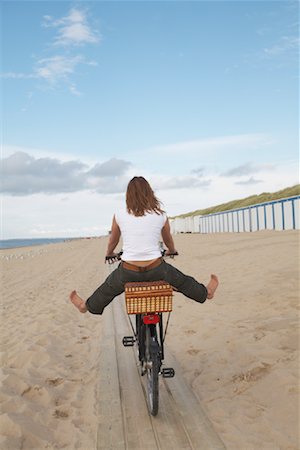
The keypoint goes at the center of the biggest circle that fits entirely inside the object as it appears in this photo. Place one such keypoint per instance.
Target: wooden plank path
(124, 420)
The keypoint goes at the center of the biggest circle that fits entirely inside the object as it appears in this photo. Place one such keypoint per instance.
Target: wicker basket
(148, 297)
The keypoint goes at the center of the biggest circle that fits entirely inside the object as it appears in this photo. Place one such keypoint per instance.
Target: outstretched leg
(212, 286)
(104, 294)
(187, 285)
(78, 302)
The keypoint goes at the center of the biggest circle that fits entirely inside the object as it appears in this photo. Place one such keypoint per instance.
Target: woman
(141, 225)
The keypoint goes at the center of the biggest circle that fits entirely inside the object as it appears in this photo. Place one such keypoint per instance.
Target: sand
(238, 352)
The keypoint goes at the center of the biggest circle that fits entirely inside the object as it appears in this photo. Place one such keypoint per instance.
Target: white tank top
(141, 235)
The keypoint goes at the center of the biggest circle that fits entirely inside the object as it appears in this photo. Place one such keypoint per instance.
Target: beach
(238, 352)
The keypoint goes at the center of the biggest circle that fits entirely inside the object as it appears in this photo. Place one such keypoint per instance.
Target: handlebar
(113, 258)
(169, 255)
(117, 257)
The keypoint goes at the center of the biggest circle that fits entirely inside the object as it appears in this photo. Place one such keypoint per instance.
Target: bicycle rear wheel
(141, 341)
(152, 367)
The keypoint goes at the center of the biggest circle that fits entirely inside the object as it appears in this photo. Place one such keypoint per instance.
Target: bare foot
(78, 302)
(212, 286)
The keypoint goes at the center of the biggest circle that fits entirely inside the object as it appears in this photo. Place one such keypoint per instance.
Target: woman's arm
(114, 237)
(167, 237)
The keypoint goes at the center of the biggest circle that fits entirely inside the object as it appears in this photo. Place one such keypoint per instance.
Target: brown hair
(140, 198)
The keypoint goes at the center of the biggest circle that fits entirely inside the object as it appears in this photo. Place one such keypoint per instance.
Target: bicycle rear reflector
(151, 319)
(148, 297)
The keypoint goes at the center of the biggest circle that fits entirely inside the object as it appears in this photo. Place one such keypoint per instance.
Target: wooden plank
(194, 419)
(137, 423)
(110, 435)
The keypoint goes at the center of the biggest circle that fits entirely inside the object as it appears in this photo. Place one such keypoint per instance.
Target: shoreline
(34, 244)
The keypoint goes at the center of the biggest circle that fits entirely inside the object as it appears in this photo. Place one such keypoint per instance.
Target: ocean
(14, 243)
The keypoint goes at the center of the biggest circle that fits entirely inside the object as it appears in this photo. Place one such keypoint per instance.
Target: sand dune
(238, 351)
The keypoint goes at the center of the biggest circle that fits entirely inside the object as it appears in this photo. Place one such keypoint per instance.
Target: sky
(199, 97)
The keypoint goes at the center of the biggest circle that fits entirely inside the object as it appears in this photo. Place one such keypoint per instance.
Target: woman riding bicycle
(141, 224)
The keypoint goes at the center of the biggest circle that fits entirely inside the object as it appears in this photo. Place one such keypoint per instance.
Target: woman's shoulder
(159, 216)
(164, 216)
(120, 214)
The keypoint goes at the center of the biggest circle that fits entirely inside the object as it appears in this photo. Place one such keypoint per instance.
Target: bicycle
(148, 301)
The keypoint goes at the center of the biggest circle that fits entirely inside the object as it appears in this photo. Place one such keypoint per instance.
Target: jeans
(114, 285)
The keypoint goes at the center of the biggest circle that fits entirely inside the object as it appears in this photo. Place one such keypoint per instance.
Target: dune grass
(252, 200)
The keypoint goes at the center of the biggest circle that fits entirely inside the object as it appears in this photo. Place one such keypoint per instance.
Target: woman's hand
(172, 252)
(112, 257)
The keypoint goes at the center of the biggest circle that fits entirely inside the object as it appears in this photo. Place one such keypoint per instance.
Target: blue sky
(199, 97)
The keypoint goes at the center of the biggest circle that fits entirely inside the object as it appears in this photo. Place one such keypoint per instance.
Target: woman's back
(141, 235)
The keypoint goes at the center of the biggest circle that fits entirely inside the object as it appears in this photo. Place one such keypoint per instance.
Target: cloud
(18, 75)
(235, 142)
(286, 44)
(199, 172)
(182, 182)
(109, 177)
(73, 89)
(56, 215)
(247, 169)
(110, 185)
(113, 167)
(73, 29)
(263, 31)
(250, 181)
(57, 68)
(24, 175)
(53, 70)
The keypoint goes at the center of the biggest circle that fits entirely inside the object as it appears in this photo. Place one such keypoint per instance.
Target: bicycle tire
(152, 368)
(140, 341)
